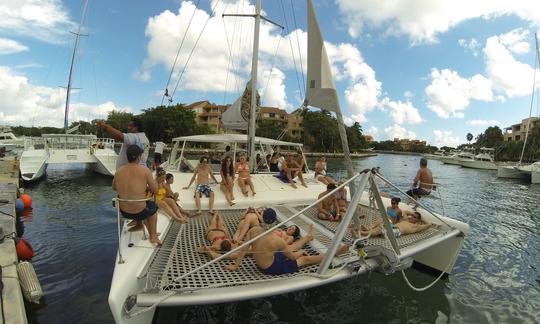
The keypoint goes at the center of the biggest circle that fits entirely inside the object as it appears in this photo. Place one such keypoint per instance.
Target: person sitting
(274, 256)
(168, 205)
(328, 207)
(244, 176)
(394, 213)
(290, 169)
(274, 162)
(341, 197)
(227, 179)
(202, 173)
(220, 238)
(406, 226)
(131, 181)
(423, 181)
(320, 171)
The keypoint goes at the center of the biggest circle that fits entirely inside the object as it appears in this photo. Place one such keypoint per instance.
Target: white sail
(321, 89)
(232, 117)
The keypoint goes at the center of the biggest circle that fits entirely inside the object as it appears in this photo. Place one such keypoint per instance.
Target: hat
(269, 215)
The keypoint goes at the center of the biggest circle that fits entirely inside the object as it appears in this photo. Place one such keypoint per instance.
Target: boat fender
(27, 200)
(24, 249)
(29, 281)
(19, 205)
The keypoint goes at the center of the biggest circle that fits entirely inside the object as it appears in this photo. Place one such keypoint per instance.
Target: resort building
(273, 114)
(406, 143)
(209, 114)
(517, 132)
(294, 127)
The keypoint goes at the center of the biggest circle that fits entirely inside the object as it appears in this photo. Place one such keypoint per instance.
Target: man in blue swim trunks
(203, 172)
(274, 257)
(131, 181)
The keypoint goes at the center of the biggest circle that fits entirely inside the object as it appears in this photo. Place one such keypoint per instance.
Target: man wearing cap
(131, 181)
(134, 136)
(329, 207)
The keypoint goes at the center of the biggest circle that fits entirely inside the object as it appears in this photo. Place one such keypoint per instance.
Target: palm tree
(469, 137)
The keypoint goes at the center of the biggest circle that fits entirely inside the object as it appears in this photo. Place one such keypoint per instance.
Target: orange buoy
(27, 200)
(24, 250)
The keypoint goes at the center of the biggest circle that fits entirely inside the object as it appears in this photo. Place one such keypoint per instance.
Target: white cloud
(401, 112)
(448, 95)
(9, 46)
(508, 75)
(482, 122)
(24, 103)
(472, 45)
(396, 131)
(423, 20)
(373, 131)
(45, 20)
(273, 91)
(445, 138)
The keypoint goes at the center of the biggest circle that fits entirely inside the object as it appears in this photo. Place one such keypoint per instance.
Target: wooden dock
(12, 298)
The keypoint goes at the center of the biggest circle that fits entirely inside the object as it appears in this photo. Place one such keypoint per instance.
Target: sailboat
(521, 171)
(177, 275)
(67, 148)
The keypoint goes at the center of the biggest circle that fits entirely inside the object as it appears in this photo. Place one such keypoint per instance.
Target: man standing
(158, 152)
(131, 181)
(134, 136)
(423, 182)
(203, 172)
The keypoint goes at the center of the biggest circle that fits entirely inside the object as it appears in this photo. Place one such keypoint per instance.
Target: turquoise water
(496, 278)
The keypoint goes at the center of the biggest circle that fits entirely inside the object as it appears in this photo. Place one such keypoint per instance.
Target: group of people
(278, 252)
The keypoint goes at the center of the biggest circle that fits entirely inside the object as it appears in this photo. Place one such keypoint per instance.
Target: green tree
(169, 122)
(85, 127)
(321, 133)
(119, 119)
(269, 129)
(469, 137)
(355, 137)
(491, 137)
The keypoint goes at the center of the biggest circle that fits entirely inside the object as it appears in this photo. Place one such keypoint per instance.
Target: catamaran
(67, 148)
(175, 274)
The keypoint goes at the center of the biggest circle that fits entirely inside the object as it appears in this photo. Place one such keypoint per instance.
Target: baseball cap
(269, 216)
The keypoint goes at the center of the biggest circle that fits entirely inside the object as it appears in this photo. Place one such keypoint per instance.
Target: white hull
(512, 172)
(449, 160)
(474, 164)
(33, 164)
(105, 162)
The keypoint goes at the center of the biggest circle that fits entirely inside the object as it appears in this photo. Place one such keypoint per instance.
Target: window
(272, 115)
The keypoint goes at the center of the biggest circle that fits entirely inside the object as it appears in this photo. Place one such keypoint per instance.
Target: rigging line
(292, 49)
(530, 109)
(271, 69)
(179, 49)
(228, 63)
(298, 44)
(194, 47)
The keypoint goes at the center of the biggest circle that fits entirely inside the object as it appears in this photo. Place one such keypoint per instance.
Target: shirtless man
(408, 225)
(329, 208)
(423, 182)
(290, 169)
(202, 172)
(275, 257)
(131, 182)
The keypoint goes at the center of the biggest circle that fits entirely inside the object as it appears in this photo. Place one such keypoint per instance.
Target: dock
(12, 297)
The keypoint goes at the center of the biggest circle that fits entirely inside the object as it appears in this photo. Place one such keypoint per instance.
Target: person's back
(265, 247)
(131, 181)
(425, 178)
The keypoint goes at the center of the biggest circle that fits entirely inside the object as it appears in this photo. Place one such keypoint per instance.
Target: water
(496, 278)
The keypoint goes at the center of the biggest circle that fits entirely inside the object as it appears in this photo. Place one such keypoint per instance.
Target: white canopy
(232, 138)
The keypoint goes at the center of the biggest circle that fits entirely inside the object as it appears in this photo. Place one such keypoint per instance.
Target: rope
(178, 52)
(292, 49)
(298, 45)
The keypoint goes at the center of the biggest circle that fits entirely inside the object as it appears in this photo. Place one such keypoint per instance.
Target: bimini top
(231, 138)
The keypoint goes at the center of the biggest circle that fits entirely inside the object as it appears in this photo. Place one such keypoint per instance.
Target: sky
(432, 70)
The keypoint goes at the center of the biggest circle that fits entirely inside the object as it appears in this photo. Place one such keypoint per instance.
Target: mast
(72, 66)
(532, 99)
(254, 67)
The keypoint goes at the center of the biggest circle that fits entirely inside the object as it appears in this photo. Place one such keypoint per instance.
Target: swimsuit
(223, 237)
(204, 189)
(149, 210)
(340, 195)
(274, 167)
(396, 230)
(243, 168)
(393, 214)
(281, 265)
(162, 192)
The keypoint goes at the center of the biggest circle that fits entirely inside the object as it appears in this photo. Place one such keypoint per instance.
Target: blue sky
(431, 70)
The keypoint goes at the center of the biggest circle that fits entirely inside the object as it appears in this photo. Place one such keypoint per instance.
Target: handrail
(247, 243)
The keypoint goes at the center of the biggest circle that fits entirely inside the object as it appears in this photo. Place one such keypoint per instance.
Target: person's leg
(230, 184)
(308, 260)
(175, 209)
(301, 177)
(242, 185)
(151, 226)
(211, 202)
(290, 178)
(227, 193)
(324, 216)
(248, 222)
(198, 202)
(250, 183)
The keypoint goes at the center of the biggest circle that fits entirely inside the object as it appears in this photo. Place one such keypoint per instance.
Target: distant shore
(398, 152)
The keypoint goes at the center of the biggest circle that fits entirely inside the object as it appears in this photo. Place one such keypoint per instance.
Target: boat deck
(179, 255)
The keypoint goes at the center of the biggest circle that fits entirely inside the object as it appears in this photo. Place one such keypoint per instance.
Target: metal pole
(384, 219)
(253, 110)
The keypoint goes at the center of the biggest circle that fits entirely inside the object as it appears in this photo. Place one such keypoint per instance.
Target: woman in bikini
(227, 179)
(244, 177)
(220, 239)
(168, 205)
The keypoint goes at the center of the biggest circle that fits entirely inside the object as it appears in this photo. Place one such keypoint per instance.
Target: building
(273, 114)
(209, 114)
(294, 125)
(368, 138)
(517, 132)
(406, 143)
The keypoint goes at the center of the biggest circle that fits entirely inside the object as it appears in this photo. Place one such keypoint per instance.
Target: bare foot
(342, 249)
(254, 193)
(155, 241)
(364, 228)
(311, 232)
(132, 223)
(198, 213)
(212, 212)
(304, 184)
(245, 193)
(293, 185)
(231, 203)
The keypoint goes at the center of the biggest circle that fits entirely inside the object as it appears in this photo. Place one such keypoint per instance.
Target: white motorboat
(8, 139)
(438, 155)
(483, 160)
(175, 274)
(467, 154)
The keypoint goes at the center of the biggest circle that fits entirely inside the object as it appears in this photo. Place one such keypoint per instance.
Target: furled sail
(321, 89)
(237, 115)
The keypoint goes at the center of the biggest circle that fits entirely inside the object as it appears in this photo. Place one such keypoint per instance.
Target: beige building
(273, 114)
(517, 132)
(209, 114)
(406, 143)
(294, 125)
